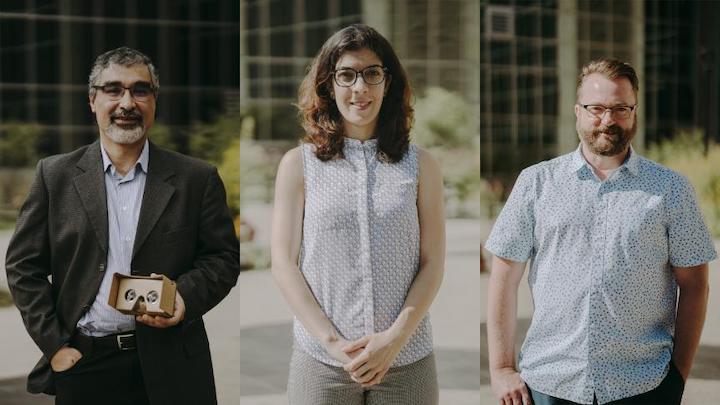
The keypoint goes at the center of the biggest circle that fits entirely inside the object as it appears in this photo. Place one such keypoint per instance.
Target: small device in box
(138, 295)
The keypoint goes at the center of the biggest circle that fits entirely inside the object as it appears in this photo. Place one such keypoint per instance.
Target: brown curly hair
(318, 112)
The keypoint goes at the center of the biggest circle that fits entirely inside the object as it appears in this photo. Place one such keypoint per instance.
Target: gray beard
(125, 136)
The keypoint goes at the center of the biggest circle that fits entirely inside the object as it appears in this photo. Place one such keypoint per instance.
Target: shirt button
(124, 208)
(127, 239)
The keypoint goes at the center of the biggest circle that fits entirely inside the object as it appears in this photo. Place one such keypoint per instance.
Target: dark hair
(122, 56)
(319, 114)
(610, 68)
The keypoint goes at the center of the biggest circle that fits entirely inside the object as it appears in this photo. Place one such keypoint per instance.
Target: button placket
(597, 229)
(364, 227)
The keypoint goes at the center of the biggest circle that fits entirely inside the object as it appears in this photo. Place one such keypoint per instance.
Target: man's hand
(380, 350)
(65, 359)
(162, 322)
(509, 387)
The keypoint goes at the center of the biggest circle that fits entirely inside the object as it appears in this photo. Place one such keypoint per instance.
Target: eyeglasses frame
(153, 89)
(611, 109)
(385, 70)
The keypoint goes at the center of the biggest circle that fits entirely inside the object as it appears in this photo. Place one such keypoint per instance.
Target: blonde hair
(610, 68)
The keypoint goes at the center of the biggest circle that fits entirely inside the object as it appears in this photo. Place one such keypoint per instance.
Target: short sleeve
(689, 241)
(512, 236)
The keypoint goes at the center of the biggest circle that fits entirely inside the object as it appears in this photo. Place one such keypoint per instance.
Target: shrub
(257, 166)
(685, 154)
(209, 141)
(18, 144)
(161, 135)
(229, 171)
(491, 198)
(5, 298)
(447, 126)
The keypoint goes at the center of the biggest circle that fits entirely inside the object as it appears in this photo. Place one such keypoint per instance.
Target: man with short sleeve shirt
(611, 237)
(121, 205)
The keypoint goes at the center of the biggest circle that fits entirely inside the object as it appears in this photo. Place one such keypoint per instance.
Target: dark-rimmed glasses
(140, 91)
(620, 112)
(372, 75)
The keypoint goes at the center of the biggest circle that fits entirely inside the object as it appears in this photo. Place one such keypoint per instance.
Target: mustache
(610, 130)
(126, 115)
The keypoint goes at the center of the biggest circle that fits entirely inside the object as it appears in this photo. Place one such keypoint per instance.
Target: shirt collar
(142, 160)
(358, 144)
(631, 162)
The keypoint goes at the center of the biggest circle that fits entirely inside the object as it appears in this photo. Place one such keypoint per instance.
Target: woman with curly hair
(358, 233)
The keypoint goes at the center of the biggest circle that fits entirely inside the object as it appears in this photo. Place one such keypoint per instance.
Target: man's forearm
(501, 320)
(692, 307)
(502, 312)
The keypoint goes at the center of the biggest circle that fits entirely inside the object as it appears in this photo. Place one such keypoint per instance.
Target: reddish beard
(616, 139)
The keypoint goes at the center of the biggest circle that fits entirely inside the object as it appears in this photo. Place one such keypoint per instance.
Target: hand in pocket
(65, 359)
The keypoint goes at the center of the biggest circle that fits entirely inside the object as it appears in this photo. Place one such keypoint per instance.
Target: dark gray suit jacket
(185, 232)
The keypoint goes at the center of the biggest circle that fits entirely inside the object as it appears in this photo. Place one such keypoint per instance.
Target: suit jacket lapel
(156, 196)
(90, 186)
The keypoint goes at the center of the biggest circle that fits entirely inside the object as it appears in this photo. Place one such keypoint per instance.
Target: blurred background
(46, 52)
(437, 43)
(530, 55)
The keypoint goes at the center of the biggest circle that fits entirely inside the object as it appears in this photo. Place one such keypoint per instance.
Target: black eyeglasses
(372, 75)
(620, 112)
(140, 91)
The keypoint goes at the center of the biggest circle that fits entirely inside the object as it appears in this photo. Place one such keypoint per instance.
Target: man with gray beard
(121, 205)
(611, 237)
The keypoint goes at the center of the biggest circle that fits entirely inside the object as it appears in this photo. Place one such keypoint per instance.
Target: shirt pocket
(393, 198)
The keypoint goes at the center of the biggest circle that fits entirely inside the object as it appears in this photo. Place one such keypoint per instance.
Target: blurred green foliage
(491, 198)
(5, 298)
(448, 127)
(161, 135)
(18, 154)
(685, 154)
(257, 165)
(229, 170)
(18, 144)
(444, 119)
(218, 142)
(208, 141)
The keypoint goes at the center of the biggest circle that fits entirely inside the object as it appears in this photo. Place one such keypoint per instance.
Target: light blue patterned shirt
(124, 199)
(600, 272)
(360, 248)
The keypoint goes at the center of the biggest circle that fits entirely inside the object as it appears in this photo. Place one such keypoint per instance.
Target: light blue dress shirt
(124, 199)
(600, 272)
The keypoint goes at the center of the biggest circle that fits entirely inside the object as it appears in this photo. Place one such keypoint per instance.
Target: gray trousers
(314, 383)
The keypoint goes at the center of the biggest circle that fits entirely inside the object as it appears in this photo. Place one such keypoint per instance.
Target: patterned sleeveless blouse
(361, 245)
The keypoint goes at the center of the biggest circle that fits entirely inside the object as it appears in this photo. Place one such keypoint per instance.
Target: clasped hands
(369, 358)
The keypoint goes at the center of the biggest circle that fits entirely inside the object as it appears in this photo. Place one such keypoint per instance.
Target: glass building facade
(532, 51)
(436, 41)
(47, 48)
